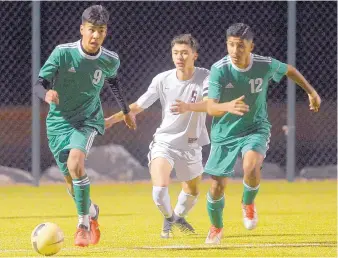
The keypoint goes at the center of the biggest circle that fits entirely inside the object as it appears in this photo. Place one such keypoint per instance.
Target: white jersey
(183, 131)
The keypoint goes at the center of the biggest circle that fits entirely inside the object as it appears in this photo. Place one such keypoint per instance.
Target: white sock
(185, 202)
(162, 200)
(92, 210)
(84, 220)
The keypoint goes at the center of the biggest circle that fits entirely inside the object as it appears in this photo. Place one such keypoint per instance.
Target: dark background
(141, 32)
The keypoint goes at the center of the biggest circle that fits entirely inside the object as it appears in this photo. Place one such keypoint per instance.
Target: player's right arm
(145, 101)
(42, 87)
(214, 108)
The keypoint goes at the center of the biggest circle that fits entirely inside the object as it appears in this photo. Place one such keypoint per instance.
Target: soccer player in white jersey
(178, 141)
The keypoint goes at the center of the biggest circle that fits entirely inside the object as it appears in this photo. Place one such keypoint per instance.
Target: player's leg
(79, 145)
(81, 186)
(220, 166)
(160, 165)
(189, 171)
(253, 151)
(93, 209)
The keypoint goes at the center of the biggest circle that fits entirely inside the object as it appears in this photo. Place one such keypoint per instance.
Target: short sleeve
(215, 84)
(115, 64)
(206, 86)
(51, 66)
(277, 70)
(150, 96)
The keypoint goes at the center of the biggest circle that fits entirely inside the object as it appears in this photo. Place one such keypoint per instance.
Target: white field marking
(187, 247)
(224, 246)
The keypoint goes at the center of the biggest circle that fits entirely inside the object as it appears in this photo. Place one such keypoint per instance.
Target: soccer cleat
(167, 228)
(95, 233)
(250, 218)
(82, 236)
(214, 235)
(183, 225)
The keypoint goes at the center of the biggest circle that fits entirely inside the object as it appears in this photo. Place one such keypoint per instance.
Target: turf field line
(224, 246)
(191, 247)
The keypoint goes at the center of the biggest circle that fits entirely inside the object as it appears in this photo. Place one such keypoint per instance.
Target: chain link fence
(15, 83)
(141, 32)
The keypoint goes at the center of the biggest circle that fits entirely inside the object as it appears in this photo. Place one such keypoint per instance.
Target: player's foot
(82, 236)
(95, 233)
(214, 235)
(250, 218)
(183, 225)
(167, 228)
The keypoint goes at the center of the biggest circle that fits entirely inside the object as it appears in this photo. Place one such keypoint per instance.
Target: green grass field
(295, 219)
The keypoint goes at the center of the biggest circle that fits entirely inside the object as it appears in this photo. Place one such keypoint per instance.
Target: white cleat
(214, 236)
(250, 217)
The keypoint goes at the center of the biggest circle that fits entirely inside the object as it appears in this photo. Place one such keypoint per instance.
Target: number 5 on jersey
(256, 85)
(97, 76)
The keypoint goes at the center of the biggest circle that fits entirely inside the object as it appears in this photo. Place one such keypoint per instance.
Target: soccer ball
(47, 238)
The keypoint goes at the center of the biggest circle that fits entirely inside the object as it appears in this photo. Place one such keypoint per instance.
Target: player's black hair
(186, 39)
(240, 30)
(96, 14)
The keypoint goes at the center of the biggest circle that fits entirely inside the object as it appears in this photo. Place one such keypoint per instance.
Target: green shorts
(60, 145)
(222, 158)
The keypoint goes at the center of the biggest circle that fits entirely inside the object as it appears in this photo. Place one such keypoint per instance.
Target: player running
(244, 76)
(70, 82)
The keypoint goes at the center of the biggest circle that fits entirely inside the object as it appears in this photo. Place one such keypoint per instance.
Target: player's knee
(249, 168)
(159, 194)
(217, 187)
(75, 166)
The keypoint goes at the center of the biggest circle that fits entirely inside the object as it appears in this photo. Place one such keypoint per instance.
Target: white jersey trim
(110, 53)
(243, 70)
(88, 56)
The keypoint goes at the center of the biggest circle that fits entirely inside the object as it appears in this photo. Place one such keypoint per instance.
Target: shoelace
(249, 211)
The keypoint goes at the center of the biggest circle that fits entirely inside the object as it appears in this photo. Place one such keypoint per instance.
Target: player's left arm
(314, 98)
(128, 117)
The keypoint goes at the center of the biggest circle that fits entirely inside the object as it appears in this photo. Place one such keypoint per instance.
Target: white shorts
(187, 163)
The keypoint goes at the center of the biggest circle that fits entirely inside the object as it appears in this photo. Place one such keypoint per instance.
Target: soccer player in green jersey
(239, 81)
(70, 82)
(242, 74)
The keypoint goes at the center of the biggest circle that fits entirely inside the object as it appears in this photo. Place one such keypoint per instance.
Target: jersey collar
(88, 56)
(242, 70)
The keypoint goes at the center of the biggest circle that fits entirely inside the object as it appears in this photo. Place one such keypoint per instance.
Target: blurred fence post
(291, 95)
(36, 42)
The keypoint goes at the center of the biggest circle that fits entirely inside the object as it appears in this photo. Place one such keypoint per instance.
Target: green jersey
(78, 79)
(228, 82)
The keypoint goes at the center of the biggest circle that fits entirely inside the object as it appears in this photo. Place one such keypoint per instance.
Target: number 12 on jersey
(256, 85)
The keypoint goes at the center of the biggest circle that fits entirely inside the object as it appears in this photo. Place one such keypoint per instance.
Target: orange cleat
(95, 233)
(250, 217)
(214, 235)
(82, 236)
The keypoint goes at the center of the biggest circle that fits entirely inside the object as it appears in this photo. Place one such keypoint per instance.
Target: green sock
(249, 194)
(81, 193)
(215, 211)
(73, 196)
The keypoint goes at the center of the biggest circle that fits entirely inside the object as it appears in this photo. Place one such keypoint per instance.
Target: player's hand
(108, 122)
(179, 107)
(130, 120)
(236, 106)
(52, 97)
(315, 101)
